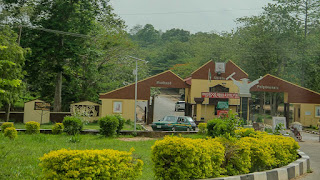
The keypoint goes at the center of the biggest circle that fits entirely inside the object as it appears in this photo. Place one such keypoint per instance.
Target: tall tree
(11, 64)
(55, 54)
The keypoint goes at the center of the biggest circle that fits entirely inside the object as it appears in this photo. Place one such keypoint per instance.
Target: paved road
(311, 146)
(164, 105)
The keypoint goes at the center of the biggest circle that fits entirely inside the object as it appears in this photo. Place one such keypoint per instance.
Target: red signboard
(222, 112)
(220, 95)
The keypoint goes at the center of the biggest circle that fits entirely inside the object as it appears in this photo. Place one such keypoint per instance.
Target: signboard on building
(42, 106)
(222, 113)
(223, 105)
(220, 95)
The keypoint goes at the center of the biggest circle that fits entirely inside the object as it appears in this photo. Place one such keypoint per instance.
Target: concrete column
(199, 115)
(199, 103)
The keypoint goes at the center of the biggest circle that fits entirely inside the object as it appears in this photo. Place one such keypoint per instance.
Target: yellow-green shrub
(10, 132)
(237, 156)
(32, 127)
(6, 125)
(268, 151)
(186, 158)
(90, 164)
(261, 153)
(57, 128)
(285, 149)
(245, 132)
(202, 128)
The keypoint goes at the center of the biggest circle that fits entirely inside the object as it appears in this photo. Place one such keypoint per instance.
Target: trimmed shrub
(90, 164)
(10, 132)
(237, 156)
(57, 128)
(186, 158)
(121, 122)
(261, 154)
(246, 132)
(6, 125)
(202, 128)
(72, 125)
(285, 149)
(32, 127)
(108, 125)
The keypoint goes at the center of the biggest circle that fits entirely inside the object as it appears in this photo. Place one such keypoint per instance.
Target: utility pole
(136, 90)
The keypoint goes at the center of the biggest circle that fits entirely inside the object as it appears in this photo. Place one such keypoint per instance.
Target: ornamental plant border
(292, 170)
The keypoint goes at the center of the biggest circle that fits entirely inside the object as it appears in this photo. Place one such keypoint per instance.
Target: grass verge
(19, 158)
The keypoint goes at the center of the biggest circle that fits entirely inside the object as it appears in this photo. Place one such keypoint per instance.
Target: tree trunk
(261, 103)
(274, 104)
(8, 106)
(57, 94)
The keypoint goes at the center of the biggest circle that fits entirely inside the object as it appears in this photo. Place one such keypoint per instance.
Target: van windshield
(170, 118)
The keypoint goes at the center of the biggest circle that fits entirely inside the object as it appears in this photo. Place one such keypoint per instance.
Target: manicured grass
(86, 126)
(19, 158)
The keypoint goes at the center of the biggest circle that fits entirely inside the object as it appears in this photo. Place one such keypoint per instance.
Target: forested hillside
(69, 51)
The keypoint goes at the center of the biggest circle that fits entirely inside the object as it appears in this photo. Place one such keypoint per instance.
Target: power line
(190, 12)
(53, 31)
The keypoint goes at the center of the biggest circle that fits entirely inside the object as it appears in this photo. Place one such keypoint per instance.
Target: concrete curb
(292, 170)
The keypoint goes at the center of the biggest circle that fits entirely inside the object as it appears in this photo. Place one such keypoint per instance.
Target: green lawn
(86, 126)
(19, 158)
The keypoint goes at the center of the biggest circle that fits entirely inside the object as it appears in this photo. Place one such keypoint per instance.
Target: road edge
(292, 170)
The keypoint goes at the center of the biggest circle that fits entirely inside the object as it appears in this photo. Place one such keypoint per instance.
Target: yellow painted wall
(127, 108)
(35, 115)
(198, 86)
(207, 112)
(187, 95)
(307, 120)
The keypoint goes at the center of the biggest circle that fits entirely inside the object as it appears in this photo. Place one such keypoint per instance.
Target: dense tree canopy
(80, 48)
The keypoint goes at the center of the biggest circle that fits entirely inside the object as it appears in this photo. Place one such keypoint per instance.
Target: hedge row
(90, 164)
(185, 158)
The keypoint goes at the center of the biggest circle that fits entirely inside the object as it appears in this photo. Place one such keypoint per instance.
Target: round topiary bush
(6, 125)
(32, 127)
(108, 125)
(57, 128)
(72, 125)
(10, 132)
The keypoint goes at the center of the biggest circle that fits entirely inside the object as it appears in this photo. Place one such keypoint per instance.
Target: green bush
(202, 128)
(237, 156)
(108, 125)
(223, 126)
(72, 125)
(10, 132)
(32, 127)
(6, 125)
(90, 164)
(121, 123)
(217, 127)
(186, 158)
(57, 128)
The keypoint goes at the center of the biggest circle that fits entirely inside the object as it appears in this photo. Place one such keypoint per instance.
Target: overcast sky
(191, 15)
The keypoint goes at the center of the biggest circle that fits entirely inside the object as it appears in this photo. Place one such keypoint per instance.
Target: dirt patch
(137, 139)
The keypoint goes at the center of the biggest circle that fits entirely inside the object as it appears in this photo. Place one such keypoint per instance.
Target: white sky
(191, 15)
